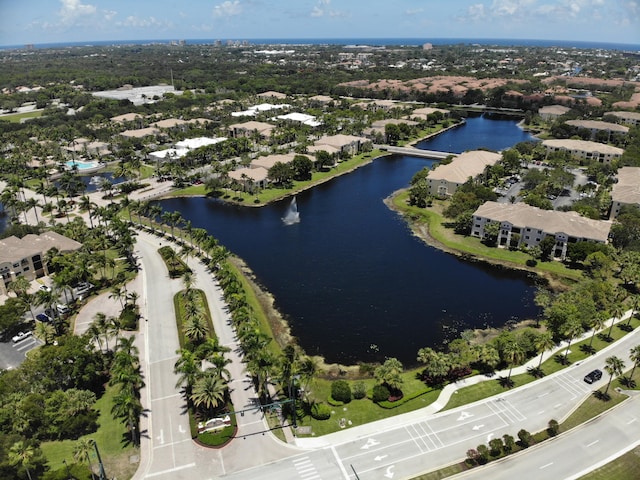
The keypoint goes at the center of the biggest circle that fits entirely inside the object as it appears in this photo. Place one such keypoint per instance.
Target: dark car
(593, 376)
(42, 317)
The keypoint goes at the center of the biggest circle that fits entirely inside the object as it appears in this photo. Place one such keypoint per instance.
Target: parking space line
(435, 435)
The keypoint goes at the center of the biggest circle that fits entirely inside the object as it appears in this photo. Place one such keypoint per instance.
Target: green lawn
(482, 390)
(111, 438)
(270, 194)
(18, 117)
(622, 468)
(364, 411)
(472, 246)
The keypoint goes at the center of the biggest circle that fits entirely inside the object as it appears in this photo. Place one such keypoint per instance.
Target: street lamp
(103, 475)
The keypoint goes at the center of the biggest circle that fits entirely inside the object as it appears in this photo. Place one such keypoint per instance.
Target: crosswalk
(306, 470)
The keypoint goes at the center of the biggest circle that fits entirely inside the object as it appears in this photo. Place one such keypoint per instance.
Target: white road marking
(592, 443)
(171, 470)
(545, 466)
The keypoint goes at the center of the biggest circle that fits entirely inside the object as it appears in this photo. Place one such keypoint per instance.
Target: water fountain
(292, 216)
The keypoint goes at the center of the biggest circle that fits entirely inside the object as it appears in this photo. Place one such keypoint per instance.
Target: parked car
(45, 288)
(62, 309)
(21, 336)
(44, 318)
(594, 376)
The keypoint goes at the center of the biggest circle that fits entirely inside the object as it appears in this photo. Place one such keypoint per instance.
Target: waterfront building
(444, 180)
(628, 118)
(626, 191)
(524, 225)
(599, 152)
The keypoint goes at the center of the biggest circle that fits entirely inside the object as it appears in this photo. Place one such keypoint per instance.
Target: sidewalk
(368, 429)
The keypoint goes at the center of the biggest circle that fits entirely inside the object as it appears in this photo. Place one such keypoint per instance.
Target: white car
(45, 288)
(21, 336)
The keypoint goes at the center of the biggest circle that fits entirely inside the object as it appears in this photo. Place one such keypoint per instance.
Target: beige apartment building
(626, 191)
(599, 152)
(444, 180)
(533, 224)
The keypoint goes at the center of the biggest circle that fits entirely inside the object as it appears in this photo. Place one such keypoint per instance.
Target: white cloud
(138, 22)
(413, 11)
(228, 9)
(109, 14)
(323, 9)
(525, 10)
(72, 10)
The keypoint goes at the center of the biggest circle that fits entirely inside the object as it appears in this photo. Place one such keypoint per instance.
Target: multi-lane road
(402, 447)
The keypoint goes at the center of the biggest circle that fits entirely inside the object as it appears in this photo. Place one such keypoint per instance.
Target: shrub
(472, 457)
(553, 428)
(380, 393)
(525, 438)
(321, 411)
(509, 443)
(531, 262)
(129, 318)
(359, 390)
(341, 391)
(495, 447)
(483, 454)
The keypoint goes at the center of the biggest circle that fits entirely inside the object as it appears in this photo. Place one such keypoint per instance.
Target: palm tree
(208, 391)
(195, 328)
(613, 366)
(513, 355)
(20, 286)
(82, 452)
(572, 329)
(544, 342)
(597, 322)
(634, 356)
(188, 368)
(45, 332)
(21, 454)
(119, 292)
(33, 204)
(617, 311)
(127, 406)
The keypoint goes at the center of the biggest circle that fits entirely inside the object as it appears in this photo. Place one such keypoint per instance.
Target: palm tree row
(202, 366)
(127, 375)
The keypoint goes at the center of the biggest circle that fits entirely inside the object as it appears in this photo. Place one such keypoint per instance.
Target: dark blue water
(92, 181)
(351, 275)
(478, 132)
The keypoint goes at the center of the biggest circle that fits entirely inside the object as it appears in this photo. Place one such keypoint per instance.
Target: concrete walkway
(366, 430)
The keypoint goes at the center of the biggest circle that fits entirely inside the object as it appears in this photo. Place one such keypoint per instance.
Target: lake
(351, 279)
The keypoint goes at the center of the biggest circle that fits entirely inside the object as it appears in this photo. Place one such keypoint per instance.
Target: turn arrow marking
(477, 427)
(389, 473)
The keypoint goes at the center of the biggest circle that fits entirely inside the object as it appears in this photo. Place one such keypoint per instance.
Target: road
(408, 445)
(167, 450)
(568, 455)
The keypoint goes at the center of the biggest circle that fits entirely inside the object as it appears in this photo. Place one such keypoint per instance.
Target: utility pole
(103, 475)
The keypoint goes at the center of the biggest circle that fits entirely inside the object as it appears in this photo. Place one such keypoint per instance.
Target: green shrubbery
(341, 391)
(380, 393)
(321, 411)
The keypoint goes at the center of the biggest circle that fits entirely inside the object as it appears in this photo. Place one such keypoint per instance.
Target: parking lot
(13, 354)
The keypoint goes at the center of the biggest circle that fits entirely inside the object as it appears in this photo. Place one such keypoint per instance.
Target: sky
(61, 21)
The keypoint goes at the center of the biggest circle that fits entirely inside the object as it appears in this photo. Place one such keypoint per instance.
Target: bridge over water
(417, 152)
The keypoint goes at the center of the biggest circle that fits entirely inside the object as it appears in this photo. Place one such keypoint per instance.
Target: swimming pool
(82, 165)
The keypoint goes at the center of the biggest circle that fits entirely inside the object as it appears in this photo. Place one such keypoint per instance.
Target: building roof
(625, 115)
(127, 117)
(467, 164)
(583, 146)
(270, 160)
(140, 132)
(300, 117)
(169, 123)
(549, 221)
(13, 249)
(321, 98)
(261, 127)
(169, 153)
(340, 140)
(598, 125)
(429, 110)
(272, 94)
(323, 148)
(255, 174)
(627, 190)
(553, 110)
(191, 143)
